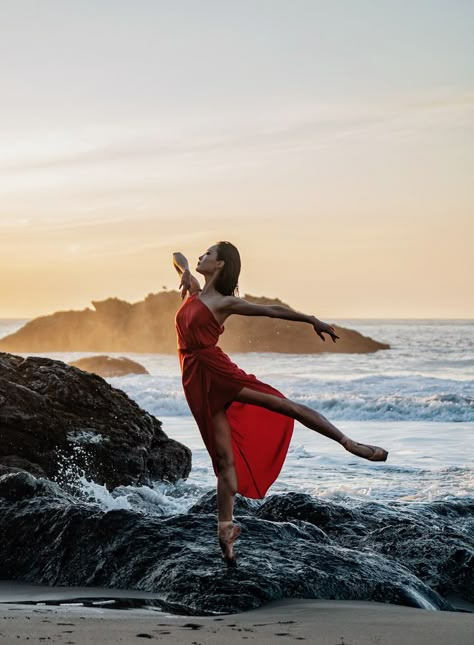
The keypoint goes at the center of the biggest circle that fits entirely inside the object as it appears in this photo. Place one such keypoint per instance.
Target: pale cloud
(73, 249)
(13, 223)
(307, 126)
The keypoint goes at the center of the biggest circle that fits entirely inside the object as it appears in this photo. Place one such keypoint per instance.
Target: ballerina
(246, 425)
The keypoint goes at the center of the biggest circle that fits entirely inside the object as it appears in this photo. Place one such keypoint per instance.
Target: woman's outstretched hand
(323, 328)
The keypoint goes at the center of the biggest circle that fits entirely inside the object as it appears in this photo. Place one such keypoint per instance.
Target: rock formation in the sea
(53, 415)
(148, 326)
(292, 546)
(108, 366)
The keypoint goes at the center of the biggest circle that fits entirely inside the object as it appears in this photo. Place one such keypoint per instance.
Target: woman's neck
(209, 282)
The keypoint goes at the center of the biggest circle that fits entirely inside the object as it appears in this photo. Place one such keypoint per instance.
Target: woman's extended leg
(311, 419)
(226, 485)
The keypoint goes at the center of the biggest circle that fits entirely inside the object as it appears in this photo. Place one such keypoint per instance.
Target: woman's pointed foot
(364, 450)
(227, 534)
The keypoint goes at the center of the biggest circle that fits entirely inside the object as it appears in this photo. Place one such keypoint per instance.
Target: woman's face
(208, 262)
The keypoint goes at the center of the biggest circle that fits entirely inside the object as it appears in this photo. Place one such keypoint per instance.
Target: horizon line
(384, 318)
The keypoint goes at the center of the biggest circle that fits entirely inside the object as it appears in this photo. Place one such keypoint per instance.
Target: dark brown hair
(228, 278)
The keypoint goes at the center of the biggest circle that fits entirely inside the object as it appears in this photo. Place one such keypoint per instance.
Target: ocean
(415, 399)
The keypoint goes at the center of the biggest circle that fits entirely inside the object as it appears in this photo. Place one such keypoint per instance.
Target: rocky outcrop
(107, 366)
(51, 413)
(292, 546)
(148, 326)
(434, 541)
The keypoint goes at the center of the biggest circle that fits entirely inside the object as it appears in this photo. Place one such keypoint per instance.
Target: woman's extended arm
(188, 282)
(231, 305)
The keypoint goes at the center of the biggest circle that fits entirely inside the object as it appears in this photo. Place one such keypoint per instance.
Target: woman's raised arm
(231, 305)
(188, 284)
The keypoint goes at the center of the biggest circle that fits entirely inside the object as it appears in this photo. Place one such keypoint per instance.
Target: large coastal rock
(292, 546)
(108, 366)
(52, 414)
(148, 326)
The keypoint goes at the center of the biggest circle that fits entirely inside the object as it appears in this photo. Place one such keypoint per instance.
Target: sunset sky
(332, 142)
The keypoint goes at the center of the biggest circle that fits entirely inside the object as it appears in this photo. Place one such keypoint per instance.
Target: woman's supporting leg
(226, 477)
(226, 485)
(311, 419)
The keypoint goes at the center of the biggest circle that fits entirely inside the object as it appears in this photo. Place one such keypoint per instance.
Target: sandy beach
(38, 614)
(320, 622)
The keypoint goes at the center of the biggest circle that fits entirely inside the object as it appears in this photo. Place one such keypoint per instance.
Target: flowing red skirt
(211, 382)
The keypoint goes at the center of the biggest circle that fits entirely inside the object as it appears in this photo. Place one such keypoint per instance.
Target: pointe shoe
(227, 534)
(361, 450)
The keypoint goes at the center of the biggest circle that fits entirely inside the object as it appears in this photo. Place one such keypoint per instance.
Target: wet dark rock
(435, 541)
(207, 504)
(54, 417)
(15, 487)
(437, 549)
(108, 366)
(14, 464)
(148, 326)
(348, 523)
(54, 540)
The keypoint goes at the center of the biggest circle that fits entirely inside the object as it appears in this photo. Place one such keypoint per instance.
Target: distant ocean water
(416, 399)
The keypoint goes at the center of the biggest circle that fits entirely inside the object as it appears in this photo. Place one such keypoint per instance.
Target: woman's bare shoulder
(224, 302)
(234, 305)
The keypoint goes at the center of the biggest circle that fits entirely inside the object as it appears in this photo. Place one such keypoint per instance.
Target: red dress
(260, 437)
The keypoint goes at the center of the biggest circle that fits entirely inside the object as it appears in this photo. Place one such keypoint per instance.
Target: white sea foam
(160, 499)
(85, 437)
(382, 398)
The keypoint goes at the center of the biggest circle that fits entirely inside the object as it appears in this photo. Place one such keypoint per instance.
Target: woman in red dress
(246, 425)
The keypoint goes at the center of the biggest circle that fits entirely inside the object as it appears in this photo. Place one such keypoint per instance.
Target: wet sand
(321, 622)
